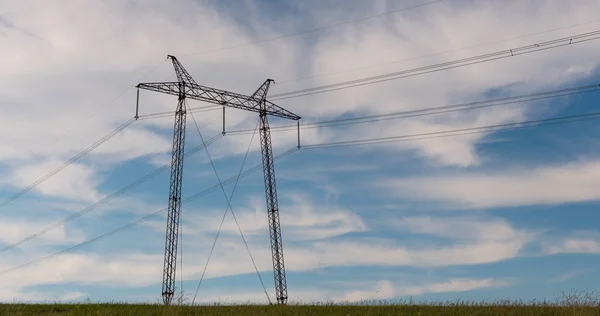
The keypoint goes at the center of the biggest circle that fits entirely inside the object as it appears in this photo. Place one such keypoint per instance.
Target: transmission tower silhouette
(187, 88)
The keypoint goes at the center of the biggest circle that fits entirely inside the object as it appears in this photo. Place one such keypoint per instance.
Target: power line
(80, 154)
(229, 202)
(67, 163)
(145, 218)
(106, 199)
(312, 30)
(462, 131)
(437, 110)
(434, 54)
(579, 38)
(481, 129)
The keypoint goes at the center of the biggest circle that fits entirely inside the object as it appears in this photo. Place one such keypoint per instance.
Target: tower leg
(273, 210)
(174, 208)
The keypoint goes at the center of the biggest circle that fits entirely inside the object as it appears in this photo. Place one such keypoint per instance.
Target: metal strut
(174, 208)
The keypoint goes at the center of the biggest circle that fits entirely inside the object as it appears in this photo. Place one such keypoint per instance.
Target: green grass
(124, 309)
(571, 304)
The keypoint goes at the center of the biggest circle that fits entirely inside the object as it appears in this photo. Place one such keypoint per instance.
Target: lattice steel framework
(271, 196)
(174, 208)
(187, 88)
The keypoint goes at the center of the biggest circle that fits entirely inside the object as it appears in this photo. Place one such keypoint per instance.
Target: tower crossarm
(219, 97)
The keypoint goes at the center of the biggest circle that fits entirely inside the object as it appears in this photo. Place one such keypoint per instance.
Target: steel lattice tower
(271, 196)
(174, 208)
(187, 88)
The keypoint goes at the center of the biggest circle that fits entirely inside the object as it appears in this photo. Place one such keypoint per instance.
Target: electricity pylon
(184, 88)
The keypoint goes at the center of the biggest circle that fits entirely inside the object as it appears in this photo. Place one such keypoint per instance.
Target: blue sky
(487, 216)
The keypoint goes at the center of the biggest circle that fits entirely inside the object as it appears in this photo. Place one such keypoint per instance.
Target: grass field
(112, 309)
(570, 305)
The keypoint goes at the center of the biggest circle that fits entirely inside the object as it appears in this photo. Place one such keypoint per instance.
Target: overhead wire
(67, 163)
(106, 199)
(223, 217)
(145, 218)
(498, 127)
(565, 41)
(435, 110)
(462, 131)
(280, 82)
(82, 153)
(265, 40)
(229, 205)
(74, 159)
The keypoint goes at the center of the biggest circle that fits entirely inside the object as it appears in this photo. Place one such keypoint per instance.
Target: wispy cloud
(572, 246)
(518, 186)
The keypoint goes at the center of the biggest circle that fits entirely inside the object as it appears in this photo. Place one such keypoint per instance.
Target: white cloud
(387, 290)
(321, 171)
(128, 270)
(568, 183)
(70, 296)
(382, 290)
(573, 246)
(569, 275)
(13, 230)
(460, 228)
(76, 182)
(229, 296)
(29, 296)
(492, 241)
(301, 220)
(134, 269)
(470, 241)
(386, 252)
(458, 285)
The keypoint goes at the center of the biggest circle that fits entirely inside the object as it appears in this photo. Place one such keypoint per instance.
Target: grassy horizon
(577, 303)
(334, 310)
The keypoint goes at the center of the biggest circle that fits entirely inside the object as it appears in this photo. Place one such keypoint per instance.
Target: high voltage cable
(80, 154)
(462, 131)
(223, 219)
(313, 30)
(145, 218)
(359, 82)
(579, 38)
(436, 110)
(67, 163)
(504, 53)
(427, 111)
(106, 199)
(434, 54)
(500, 127)
(229, 207)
